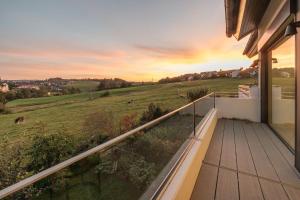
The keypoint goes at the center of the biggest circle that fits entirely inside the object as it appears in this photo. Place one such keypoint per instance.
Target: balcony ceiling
(243, 16)
(251, 46)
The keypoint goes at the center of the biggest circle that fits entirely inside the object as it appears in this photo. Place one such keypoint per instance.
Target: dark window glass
(282, 91)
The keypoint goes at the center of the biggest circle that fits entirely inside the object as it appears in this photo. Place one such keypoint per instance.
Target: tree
(99, 127)
(3, 102)
(128, 122)
(195, 94)
(153, 112)
(104, 167)
(48, 149)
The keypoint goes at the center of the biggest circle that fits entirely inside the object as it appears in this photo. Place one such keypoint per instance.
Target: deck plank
(293, 193)
(206, 183)
(227, 187)
(284, 170)
(272, 190)
(262, 164)
(286, 153)
(249, 187)
(244, 158)
(281, 147)
(228, 157)
(246, 161)
(214, 150)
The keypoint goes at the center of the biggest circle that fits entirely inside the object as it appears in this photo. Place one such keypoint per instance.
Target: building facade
(4, 87)
(275, 42)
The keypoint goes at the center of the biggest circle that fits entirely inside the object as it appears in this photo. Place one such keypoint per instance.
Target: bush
(99, 127)
(141, 172)
(195, 94)
(129, 122)
(71, 90)
(48, 150)
(11, 168)
(2, 107)
(153, 112)
(105, 94)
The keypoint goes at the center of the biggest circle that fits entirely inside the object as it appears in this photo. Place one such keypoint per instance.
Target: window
(282, 90)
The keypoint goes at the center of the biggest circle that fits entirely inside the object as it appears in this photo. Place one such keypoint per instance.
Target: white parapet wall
(181, 184)
(238, 108)
(228, 107)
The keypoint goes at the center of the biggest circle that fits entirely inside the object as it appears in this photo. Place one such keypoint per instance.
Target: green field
(69, 111)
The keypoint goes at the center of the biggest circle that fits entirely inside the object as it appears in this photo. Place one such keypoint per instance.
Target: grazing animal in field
(19, 120)
(129, 102)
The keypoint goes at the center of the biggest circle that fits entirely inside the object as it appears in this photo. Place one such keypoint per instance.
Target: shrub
(195, 94)
(99, 127)
(48, 150)
(105, 94)
(11, 168)
(128, 122)
(153, 112)
(141, 172)
(2, 107)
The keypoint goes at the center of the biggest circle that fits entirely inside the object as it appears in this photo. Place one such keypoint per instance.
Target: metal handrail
(100, 148)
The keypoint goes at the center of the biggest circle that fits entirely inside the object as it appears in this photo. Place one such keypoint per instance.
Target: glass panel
(125, 171)
(282, 91)
(132, 169)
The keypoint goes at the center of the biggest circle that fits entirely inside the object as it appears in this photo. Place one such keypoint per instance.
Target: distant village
(250, 72)
(52, 85)
(55, 86)
(60, 86)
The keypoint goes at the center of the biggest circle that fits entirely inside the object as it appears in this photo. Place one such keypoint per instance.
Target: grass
(157, 146)
(70, 111)
(287, 84)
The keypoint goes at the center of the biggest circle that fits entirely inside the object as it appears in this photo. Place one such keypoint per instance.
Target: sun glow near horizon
(113, 41)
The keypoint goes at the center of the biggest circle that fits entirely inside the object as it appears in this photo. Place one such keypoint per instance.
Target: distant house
(4, 87)
(235, 73)
(190, 78)
(249, 72)
(210, 74)
(29, 86)
(285, 74)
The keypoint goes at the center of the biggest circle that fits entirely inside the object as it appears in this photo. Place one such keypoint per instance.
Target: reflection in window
(282, 91)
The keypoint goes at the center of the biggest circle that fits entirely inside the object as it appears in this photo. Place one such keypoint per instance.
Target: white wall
(238, 108)
(248, 109)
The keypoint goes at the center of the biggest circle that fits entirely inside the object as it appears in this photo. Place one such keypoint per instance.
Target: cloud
(59, 53)
(167, 52)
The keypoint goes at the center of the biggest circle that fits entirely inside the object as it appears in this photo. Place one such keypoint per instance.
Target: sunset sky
(139, 40)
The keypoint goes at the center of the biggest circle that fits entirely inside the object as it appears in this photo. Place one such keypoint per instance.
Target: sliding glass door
(281, 97)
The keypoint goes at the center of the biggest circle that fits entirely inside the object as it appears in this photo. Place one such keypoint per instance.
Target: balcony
(246, 160)
(212, 148)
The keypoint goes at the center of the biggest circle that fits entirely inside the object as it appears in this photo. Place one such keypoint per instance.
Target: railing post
(194, 118)
(214, 100)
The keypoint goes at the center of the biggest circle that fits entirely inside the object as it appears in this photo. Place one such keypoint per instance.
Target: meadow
(69, 112)
(61, 122)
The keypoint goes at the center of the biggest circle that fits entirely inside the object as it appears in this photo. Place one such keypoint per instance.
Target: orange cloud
(62, 53)
(142, 62)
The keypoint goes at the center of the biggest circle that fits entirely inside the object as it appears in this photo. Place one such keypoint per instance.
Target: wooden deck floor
(247, 161)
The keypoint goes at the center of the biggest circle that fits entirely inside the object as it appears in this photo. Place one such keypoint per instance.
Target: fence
(133, 165)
